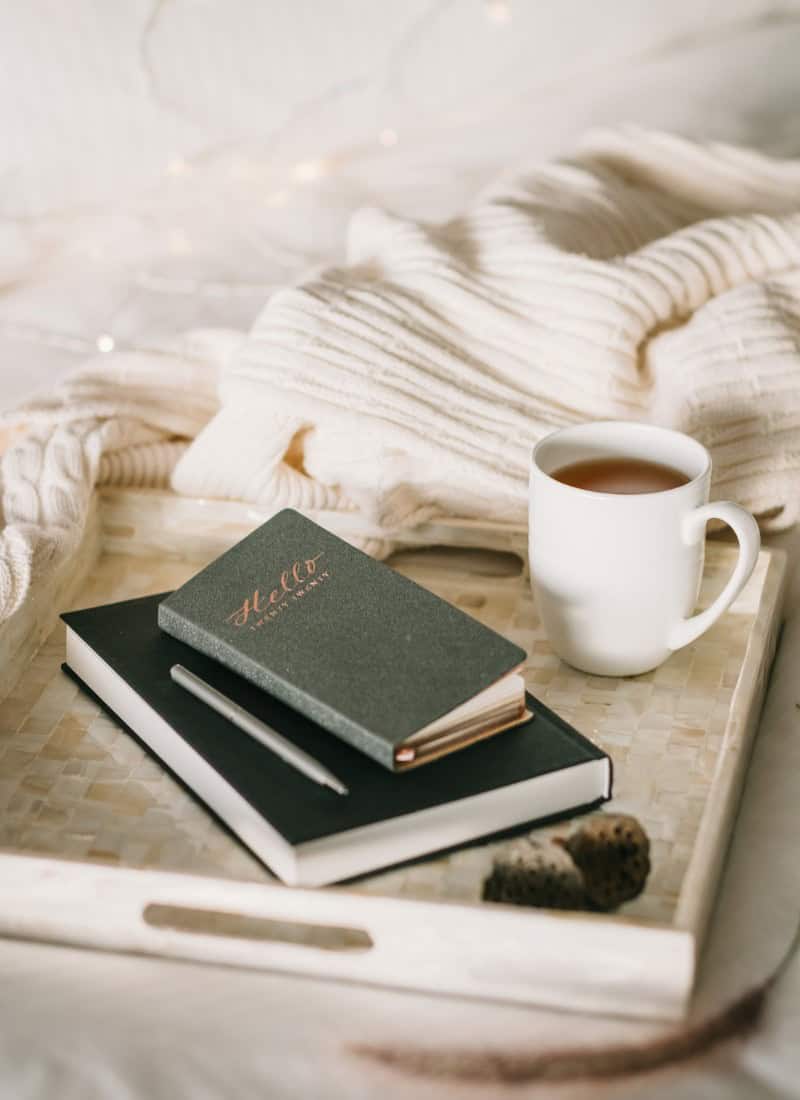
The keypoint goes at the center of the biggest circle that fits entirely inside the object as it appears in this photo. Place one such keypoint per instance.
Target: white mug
(616, 576)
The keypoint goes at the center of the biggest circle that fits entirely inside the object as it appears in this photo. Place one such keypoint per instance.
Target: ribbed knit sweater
(646, 278)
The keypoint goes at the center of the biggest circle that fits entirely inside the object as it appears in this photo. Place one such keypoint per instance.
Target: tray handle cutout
(243, 926)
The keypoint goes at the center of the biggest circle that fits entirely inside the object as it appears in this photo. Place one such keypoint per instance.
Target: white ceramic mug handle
(746, 530)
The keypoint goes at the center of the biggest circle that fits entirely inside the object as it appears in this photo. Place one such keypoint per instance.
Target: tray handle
(579, 961)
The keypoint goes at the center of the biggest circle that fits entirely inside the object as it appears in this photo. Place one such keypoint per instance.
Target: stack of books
(335, 715)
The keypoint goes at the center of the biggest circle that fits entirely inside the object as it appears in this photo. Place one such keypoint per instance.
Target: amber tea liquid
(620, 475)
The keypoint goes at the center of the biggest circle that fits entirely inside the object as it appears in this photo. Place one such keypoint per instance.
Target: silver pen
(257, 729)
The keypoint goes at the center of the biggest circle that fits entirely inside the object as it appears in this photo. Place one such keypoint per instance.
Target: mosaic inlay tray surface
(72, 783)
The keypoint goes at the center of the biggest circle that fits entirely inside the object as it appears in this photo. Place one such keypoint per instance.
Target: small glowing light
(306, 171)
(276, 198)
(178, 243)
(105, 342)
(499, 11)
(388, 137)
(177, 166)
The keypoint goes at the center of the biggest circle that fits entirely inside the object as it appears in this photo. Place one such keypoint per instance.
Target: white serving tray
(100, 847)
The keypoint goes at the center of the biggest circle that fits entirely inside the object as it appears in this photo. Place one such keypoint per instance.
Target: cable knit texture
(121, 419)
(647, 278)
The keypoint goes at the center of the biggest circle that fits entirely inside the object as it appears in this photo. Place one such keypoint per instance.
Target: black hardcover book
(304, 832)
(373, 657)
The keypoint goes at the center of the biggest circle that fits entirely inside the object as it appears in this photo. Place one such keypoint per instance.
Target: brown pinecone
(600, 865)
(612, 852)
(527, 872)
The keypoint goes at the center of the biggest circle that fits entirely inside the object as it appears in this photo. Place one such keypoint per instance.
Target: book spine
(178, 626)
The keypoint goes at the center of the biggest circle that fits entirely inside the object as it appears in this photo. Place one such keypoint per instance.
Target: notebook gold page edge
(447, 743)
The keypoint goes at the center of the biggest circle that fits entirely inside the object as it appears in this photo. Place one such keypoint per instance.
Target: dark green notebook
(305, 832)
(377, 660)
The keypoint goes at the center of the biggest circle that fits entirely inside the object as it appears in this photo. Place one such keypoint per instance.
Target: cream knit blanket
(647, 277)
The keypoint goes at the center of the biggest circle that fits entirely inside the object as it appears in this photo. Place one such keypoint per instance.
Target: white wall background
(164, 162)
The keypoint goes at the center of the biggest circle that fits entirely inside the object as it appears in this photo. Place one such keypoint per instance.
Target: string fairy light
(306, 171)
(177, 166)
(242, 168)
(303, 172)
(499, 11)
